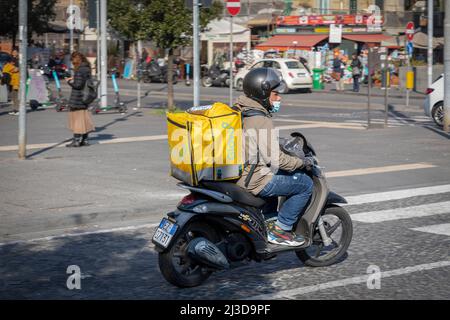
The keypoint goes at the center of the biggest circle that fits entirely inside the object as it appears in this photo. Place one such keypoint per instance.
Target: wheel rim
(207, 82)
(438, 115)
(334, 228)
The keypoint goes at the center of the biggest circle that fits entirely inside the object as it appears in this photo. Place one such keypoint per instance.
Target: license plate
(300, 74)
(165, 232)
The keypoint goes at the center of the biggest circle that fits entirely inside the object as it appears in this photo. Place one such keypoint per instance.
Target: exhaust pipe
(206, 252)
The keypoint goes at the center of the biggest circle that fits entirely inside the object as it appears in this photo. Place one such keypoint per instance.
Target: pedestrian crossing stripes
(397, 194)
(443, 229)
(403, 213)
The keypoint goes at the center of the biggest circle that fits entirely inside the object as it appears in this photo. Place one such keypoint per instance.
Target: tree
(167, 23)
(40, 12)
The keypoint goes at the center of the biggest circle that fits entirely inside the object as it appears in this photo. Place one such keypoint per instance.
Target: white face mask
(276, 105)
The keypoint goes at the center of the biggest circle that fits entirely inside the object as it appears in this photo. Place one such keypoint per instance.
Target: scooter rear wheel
(175, 264)
(339, 227)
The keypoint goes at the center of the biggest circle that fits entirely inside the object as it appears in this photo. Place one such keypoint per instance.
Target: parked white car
(295, 74)
(434, 101)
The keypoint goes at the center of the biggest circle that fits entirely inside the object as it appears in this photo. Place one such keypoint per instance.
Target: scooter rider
(271, 173)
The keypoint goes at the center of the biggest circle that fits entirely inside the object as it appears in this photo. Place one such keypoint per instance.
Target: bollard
(409, 84)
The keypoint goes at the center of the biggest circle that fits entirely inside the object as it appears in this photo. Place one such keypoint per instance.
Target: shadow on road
(30, 156)
(119, 266)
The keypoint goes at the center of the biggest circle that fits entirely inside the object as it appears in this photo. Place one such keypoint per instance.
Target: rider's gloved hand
(308, 163)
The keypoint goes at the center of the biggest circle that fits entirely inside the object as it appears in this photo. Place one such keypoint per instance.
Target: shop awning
(286, 42)
(420, 41)
(368, 38)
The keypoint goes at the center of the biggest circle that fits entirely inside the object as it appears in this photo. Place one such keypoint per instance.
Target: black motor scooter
(220, 225)
(215, 76)
(153, 72)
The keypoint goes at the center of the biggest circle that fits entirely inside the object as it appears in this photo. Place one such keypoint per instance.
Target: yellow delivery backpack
(205, 143)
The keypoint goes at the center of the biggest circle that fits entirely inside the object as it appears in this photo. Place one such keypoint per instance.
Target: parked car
(295, 74)
(434, 101)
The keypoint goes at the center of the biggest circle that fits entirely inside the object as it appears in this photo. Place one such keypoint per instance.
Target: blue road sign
(409, 48)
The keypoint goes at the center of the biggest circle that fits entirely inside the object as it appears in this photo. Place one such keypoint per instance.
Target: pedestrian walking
(12, 75)
(356, 71)
(338, 72)
(80, 120)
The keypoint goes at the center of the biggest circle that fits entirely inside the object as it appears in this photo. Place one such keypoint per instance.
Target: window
(276, 65)
(353, 6)
(294, 65)
(258, 65)
(380, 4)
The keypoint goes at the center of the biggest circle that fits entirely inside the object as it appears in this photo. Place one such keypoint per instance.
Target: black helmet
(259, 82)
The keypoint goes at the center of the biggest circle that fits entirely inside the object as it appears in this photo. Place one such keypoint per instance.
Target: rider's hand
(308, 163)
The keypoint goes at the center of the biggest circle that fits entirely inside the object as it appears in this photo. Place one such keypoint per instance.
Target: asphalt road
(97, 207)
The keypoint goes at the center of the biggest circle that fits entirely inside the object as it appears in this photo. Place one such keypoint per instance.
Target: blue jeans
(297, 188)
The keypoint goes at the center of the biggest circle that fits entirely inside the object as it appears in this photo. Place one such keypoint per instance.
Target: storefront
(320, 38)
(216, 41)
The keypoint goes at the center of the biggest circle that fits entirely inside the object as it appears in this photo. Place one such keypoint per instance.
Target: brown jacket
(260, 135)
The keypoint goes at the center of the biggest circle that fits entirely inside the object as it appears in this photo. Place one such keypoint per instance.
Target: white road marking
(320, 124)
(384, 169)
(292, 293)
(443, 228)
(425, 210)
(396, 195)
(164, 137)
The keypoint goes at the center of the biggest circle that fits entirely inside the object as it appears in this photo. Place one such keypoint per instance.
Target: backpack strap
(252, 170)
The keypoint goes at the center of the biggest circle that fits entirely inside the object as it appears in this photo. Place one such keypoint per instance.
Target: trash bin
(318, 79)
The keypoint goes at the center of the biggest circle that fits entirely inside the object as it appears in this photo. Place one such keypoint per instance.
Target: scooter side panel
(305, 227)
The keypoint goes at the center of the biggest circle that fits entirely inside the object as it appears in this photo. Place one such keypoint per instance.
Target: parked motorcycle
(153, 72)
(215, 76)
(220, 225)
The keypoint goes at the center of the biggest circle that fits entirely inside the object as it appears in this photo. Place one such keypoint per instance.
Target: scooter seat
(235, 192)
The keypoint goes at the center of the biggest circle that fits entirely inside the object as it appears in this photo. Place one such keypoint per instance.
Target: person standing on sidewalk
(338, 73)
(356, 71)
(80, 120)
(11, 68)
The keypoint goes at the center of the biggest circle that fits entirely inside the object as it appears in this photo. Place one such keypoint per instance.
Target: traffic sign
(409, 48)
(410, 30)
(233, 7)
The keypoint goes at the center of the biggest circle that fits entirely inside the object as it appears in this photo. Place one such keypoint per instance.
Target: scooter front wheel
(207, 81)
(175, 264)
(339, 227)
